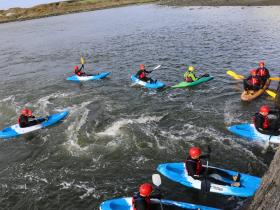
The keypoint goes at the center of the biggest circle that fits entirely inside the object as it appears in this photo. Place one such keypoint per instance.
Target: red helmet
(194, 152)
(145, 189)
(142, 66)
(76, 68)
(261, 63)
(26, 112)
(264, 108)
(253, 72)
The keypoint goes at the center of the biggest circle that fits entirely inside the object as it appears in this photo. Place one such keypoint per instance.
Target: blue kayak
(249, 132)
(177, 173)
(88, 78)
(16, 130)
(126, 204)
(153, 85)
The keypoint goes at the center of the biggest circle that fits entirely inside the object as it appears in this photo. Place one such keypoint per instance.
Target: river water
(117, 134)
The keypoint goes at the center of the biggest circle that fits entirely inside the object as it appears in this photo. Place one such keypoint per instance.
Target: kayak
(154, 85)
(251, 95)
(249, 132)
(16, 130)
(126, 204)
(189, 84)
(88, 78)
(177, 172)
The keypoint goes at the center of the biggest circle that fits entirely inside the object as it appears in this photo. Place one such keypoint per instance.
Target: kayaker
(142, 74)
(142, 199)
(253, 82)
(196, 170)
(189, 75)
(267, 121)
(23, 119)
(78, 71)
(263, 72)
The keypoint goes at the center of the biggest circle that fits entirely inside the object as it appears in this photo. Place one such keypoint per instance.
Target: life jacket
(198, 167)
(265, 124)
(142, 75)
(262, 72)
(254, 81)
(139, 202)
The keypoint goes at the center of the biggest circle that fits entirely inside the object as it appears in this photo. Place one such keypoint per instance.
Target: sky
(6, 4)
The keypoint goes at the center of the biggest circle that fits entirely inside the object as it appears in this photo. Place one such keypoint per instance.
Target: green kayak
(189, 84)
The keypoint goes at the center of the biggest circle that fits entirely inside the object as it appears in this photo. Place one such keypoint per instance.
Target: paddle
(82, 60)
(205, 184)
(157, 182)
(156, 67)
(241, 77)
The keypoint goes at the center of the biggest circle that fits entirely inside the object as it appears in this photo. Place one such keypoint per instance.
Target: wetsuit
(263, 73)
(79, 72)
(143, 203)
(24, 122)
(142, 75)
(252, 83)
(268, 126)
(190, 76)
(196, 171)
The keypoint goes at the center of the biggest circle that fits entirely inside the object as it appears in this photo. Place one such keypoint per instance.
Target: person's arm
(148, 72)
(82, 67)
(267, 72)
(194, 78)
(138, 73)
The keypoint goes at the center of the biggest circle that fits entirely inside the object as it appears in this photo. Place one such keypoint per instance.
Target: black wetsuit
(144, 203)
(141, 74)
(264, 77)
(80, 73)
(24, 121)
(248, 85)
(272, 125)
(193, 171)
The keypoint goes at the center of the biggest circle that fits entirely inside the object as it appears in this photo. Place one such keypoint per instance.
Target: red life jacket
(254, 81)
(198, 167)
(142, 75)
(262, 72)
(147, 201)
(265, 122)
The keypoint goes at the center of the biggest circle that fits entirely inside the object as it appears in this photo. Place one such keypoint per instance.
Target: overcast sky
(6, 4)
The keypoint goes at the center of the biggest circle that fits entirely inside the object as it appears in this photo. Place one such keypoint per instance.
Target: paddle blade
(82, 60)
(275, 78)
(156, 67)
(156, 180)
(234, 75)
(271, 93)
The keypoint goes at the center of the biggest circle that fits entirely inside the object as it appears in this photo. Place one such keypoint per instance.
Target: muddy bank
(60, 8)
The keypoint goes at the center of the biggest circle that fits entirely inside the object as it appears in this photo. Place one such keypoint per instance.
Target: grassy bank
(60, 8)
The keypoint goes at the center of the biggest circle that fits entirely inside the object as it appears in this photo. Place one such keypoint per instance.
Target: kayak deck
(189, 84)
(152, 85)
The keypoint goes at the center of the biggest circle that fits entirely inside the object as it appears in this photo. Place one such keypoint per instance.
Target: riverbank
(60, 8)
(73, 6)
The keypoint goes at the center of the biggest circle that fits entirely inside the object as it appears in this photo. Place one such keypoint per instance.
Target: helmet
(29, 112)
(26, 112)
(264, 108)
(194, 152)
(253, 72)
(145, 189)
(142, 66)
(261, 63)
(191, 68)
(76, 68)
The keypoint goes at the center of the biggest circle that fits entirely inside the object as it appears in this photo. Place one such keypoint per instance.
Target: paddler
(189, 75)
(142, 74)
(196, 170)
(78, 71)
(24, 119)
(263, 72)
(142, 199)
(253, 82)
(267, 121)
